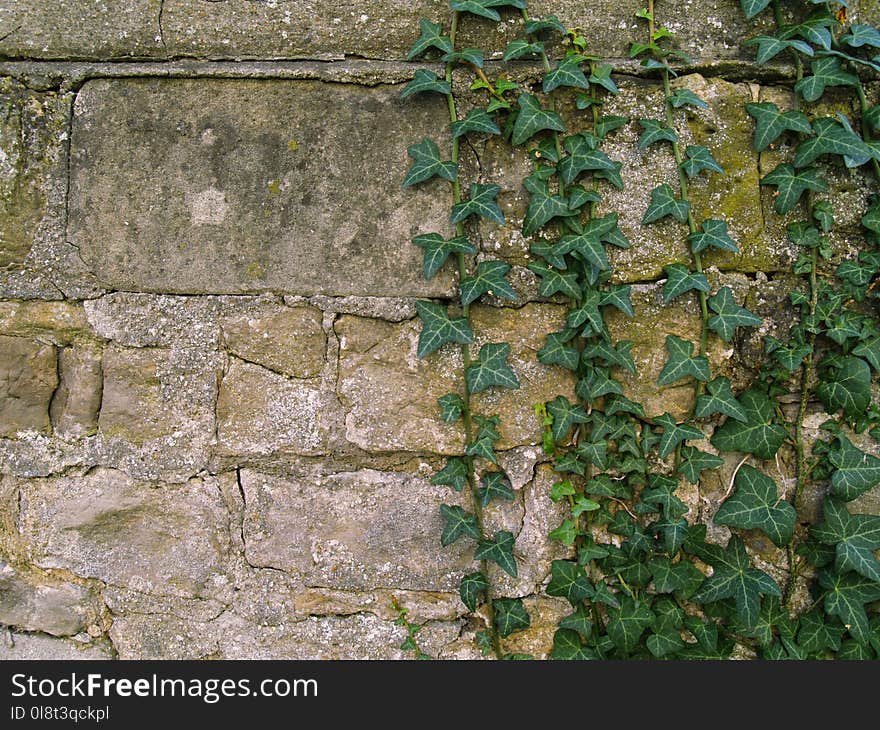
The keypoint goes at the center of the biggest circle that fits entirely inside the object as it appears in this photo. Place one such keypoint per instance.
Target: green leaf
(553, 281)
(582, 156)
(487, 435)
(848, 387)
(855, 472)
(611, 355)
(827, 71)
(427, 164)
(566, 533)
(714, 233)
(686, 97)
(854, 537)
(589, 246)
(451, 407)
(567, 73)
(735, 578)
(674, 434)
(788, 356)
(431, 37)
(719, 399)
(601, 76)
(483, 8)
(618, 296)
(664, 203)
(424, 81)
(759, 435)
(814, 635)
(565, 415)
(569, 581)
(499, 551)
(551, 22)
(551, 253)
(695, 461)
(871, 219)
(533, 119)
(519, 48)
(832, 138)
(627, 624)
(510, 616)
(869, 349)
(481, 202)
(472, 56)
(681, 362)
(438, 329)
(770, 46)
(791, 185)
(770, 123)
(664, 643)
(484, 642)
(458, 523)
(543, 205)
(454, 474)
(491, 369)
(755, 504)
(495, 485)
(752, 7)
(567, 646)
(477, 120)
(655, 131)
(699, 159)
(438, 249)
(681, 280)
(729, 315)
(489, 279)
(470, 588)
(845, 597)
(556, 352)
(660, 493)
(582, 504)
(608, 124)
(580, 621)
(862, 35)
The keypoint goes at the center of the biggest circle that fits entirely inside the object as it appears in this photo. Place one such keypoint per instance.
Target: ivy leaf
(552, 254)
(668, 577)
(755, 503)
(499, 551)
(477, 120)
(699, 159)
(423, 81)
(565, 415)
(674, 434)
(553, 281)
(848, 388)
(438, 249)
(661, 493)
(752, 7)
(451, 407)
(471, 586)
(854, 537)
(431, 37)
(567, 532)
(714, 233)
(827, 71)
(845, 597)
(458, 523)
(520, 47)
(770, 123)
(612, 355)
(681, 280)
(681, 362)
(855, 472)
(664, 642)
(483, 8)
(533, 119)
(551, 22)
(608, 124)
(580, 621)
(567, 645)
(495, 485)
(569, 581)
(489, 279)
(789, 356)
(589, 246)
(491, 369)
(556, 352)
(627, 624)
(695, 461)
(427, 164)
(729, 315)
(510, 616)
(619, 297)
(719, 399)
(543, 206)
(770, 46)
(735, 578)
(814, 635)
(655, 131)
(601, 76)
(869, 350)
(473, 56)
(484, 441)
(759, 435)
(454, 474)
(862, 35)
(582, 156)
(686, 97)
(438, 329)
(579, 196)
(664, 203)
(481, 202)
(567, 73)
(832, 138)
(790, 185)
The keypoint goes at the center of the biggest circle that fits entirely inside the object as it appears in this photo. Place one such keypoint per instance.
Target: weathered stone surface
(20, 647)
(545, 614)
(250, 202)
(57, 322)
(168, 539)
(354, 530)
(392, 309)
(39, 603)
(28, 376)
(260, 412)
(391, 395)
(75, 405)
(289, 341)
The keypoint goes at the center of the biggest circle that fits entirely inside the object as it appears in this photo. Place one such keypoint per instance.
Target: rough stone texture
(28, 376)
(250, 202)
(75, 405)
(21, 647)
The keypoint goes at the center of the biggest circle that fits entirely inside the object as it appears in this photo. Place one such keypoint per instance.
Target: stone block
(77, 401)
(28, 376)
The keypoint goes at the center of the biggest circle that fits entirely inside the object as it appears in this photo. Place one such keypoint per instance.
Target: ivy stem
(466, 355)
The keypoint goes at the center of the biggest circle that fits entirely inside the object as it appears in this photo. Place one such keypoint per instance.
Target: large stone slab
(223, 186)
(28, 376)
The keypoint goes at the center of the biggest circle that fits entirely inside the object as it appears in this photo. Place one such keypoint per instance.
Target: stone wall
(216, 439)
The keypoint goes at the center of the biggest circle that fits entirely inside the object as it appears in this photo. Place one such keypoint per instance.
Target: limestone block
(76, 403)
(28, 376)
